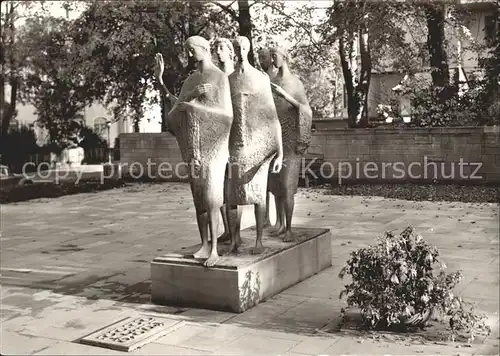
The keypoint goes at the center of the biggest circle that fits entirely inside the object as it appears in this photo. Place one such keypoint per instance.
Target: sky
(54, 8)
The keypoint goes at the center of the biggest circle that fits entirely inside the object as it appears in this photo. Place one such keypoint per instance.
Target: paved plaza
(75, 264)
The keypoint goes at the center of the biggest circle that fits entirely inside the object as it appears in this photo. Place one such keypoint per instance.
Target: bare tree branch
(292, 19)
(228, 9)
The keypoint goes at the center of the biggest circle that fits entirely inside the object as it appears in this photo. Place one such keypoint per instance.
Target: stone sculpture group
(243, 133)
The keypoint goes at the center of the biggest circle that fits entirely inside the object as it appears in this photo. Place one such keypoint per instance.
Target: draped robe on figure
(253, 140)
(202, 132)
(296, 128)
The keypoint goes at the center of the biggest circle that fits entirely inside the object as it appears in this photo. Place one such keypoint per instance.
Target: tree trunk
(493, 64)
(163, 114)
(245, 24)
(364, 77)
(3, 106)
(435, 16)
(166, 106)
(356, 68)
(348, 80)
(357, 89)
(9, 112)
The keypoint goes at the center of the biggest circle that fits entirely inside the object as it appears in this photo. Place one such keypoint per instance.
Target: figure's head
(278, 56)
(241, 46)
(197, 47)
(224, 50)
(265, 58)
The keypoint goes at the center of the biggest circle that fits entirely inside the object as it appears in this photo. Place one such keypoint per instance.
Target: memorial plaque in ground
(239, 281)
(130, 333)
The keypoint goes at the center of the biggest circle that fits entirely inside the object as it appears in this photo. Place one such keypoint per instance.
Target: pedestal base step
(239, 282)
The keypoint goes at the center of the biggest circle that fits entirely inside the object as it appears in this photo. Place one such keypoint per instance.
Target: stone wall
(462, 154)
(329, 124)
(158, 151)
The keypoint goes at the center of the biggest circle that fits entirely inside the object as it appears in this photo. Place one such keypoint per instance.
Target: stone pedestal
(239, 282)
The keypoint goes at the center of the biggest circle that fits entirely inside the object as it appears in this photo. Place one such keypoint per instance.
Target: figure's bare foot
(212, 260)
(203, 252)
(225, 237)
(267, 223)
(258, 249)
(239, 242)
(279, 230)
(233, 249)
(289, 237)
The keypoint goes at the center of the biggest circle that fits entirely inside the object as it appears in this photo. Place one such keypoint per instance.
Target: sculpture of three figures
(240, 141)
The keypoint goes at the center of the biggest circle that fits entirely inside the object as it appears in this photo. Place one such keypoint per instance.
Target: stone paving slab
(73, 348)
(77, 263)
(13, 343)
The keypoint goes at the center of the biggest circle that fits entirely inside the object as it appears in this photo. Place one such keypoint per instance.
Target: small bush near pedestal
(400, 281)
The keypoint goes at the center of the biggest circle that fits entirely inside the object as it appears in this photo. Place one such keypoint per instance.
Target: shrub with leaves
(401, 281)
(437, 106)
(429, 110)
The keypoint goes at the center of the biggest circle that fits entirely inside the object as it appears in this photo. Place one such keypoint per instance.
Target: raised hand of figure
(159, 67)
(278, 90)
(282, 92)
(277, 164)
